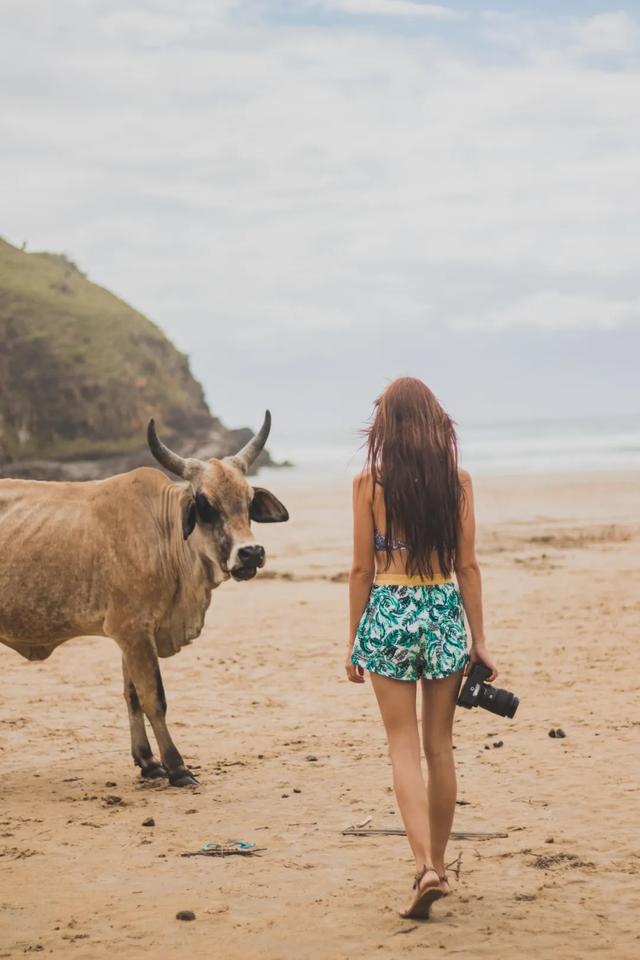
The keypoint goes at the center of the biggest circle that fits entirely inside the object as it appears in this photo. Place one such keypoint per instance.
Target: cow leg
(140, 746)
(141, 664)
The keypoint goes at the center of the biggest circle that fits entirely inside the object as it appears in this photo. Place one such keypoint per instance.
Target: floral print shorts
(408, 632)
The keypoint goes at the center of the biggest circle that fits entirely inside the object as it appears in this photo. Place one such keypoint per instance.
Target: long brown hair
(413, 455)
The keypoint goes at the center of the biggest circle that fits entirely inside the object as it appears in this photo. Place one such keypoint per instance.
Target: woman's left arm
(363, 566)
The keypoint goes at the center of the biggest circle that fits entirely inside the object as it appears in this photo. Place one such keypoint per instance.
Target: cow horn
(245, 457)
(167, 458)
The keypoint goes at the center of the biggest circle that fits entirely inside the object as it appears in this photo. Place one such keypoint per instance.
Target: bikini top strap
(380, 542)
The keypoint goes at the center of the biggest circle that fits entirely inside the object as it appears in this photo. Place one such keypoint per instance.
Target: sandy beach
(289, 755)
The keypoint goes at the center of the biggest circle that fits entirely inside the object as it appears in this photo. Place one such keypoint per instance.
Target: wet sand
(261, 693)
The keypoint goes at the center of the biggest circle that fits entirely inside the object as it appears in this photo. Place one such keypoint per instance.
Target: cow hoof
(153, 772)
(183, 780)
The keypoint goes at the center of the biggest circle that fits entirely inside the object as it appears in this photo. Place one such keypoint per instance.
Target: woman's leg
(438, 708)
(397, 702)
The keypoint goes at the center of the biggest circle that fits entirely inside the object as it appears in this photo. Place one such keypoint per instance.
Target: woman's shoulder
(363, 483)
(464, 477)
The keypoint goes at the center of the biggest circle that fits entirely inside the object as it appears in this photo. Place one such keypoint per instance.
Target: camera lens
(506, 703)
(498, 701)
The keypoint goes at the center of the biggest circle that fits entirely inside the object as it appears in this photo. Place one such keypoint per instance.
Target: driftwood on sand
(364, 830)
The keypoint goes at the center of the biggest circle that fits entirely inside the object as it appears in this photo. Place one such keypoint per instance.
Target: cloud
(610, 38)
(555, 310)
(390, 8)
(608, 33)
(308, 197)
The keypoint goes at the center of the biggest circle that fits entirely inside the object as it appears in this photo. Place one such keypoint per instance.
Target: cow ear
(265, 508)
(188, 518)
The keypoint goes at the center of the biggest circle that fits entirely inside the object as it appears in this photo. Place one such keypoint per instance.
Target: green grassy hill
(81, 371)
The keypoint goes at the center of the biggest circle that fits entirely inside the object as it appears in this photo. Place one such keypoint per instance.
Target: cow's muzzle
(248, 560)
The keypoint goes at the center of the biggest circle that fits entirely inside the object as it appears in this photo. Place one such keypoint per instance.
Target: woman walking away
(414, 527)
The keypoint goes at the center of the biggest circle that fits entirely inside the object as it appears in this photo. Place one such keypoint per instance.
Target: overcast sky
(312, 196)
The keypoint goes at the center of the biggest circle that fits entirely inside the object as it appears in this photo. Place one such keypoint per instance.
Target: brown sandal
(423, 897)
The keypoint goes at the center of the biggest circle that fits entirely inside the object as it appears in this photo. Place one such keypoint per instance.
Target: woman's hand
(478, 653)
(355, 673)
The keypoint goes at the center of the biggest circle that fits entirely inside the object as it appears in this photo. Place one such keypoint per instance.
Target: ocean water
(509, 447)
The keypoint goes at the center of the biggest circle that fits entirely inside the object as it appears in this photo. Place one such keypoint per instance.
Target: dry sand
(263, 688)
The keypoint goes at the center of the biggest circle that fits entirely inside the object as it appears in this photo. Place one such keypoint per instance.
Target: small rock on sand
(185, 915)
(149, 822)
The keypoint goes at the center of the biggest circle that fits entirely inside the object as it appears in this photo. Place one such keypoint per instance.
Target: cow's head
(222, 503)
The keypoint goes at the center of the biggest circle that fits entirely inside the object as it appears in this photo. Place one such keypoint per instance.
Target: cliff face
(81, 373)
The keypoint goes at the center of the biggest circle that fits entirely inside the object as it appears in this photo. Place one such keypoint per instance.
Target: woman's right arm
(469, 578)
(363, 566)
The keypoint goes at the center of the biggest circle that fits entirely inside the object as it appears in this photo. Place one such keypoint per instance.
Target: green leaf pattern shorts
(408, 632)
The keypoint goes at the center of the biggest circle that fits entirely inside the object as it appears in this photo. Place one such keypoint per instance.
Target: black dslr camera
(476, 692)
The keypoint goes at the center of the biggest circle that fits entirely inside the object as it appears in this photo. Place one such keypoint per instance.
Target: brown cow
(134, 557)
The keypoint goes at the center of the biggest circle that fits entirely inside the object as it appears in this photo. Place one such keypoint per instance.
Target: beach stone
(549, 840)
(112, 801)
(560, 732)
(297, 790)
(552, 732)
(149, 822)
(311, 757)
(185, 915)
(499, 743)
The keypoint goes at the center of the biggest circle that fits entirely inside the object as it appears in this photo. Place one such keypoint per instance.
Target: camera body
(476, 692)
